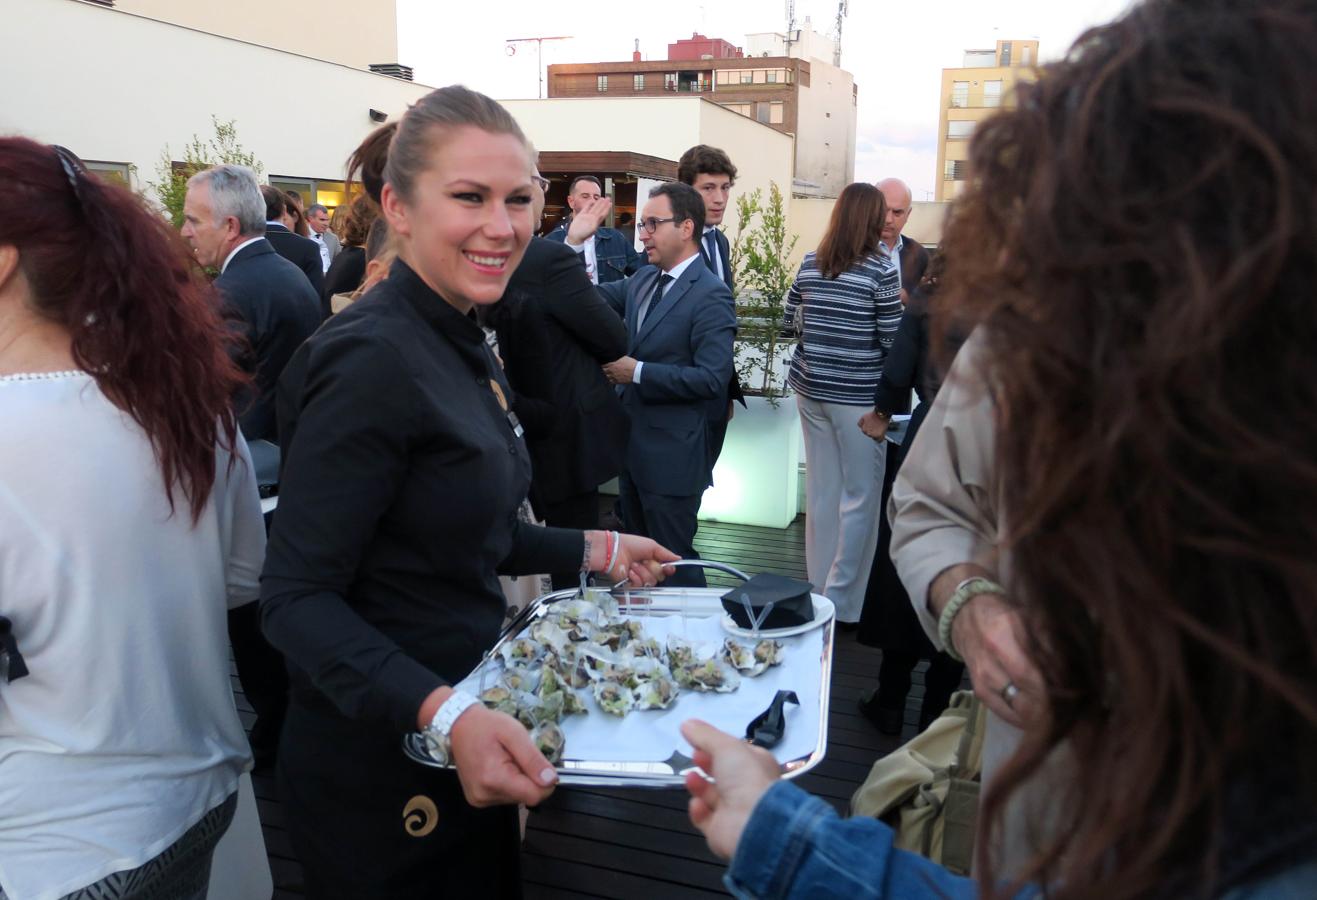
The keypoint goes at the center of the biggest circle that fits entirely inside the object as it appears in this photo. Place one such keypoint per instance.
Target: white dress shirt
(324, 249)
(124, 734)
(234, 252)
(895, 255)
(675, 273)
(717, 257)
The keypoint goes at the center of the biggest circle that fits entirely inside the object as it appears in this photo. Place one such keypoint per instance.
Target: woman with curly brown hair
(129, 520)
(1137, 249)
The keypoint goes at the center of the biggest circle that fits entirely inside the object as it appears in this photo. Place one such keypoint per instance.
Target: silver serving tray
(647, 774)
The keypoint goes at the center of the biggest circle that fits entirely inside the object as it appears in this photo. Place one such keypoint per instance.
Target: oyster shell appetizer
(499, 698)
(549, 740)
(655, 693)
(769, 652)
(751, 661)
(680, 653)
(613, 698)
(522, 678)
(521, 652)
(643, 648)
(710, 675)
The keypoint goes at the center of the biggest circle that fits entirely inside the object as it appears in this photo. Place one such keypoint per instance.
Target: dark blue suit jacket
(274, 307)
(725, 251)
(614, 254)
(685, 343)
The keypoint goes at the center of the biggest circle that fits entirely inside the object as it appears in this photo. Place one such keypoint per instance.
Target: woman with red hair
(129, 520)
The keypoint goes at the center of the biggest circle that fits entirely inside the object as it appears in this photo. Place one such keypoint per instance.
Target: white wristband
(457, 703)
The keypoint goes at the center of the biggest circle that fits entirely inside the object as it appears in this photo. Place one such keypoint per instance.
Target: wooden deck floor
(588, 842)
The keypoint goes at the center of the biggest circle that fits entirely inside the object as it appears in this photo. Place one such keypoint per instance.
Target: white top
(125, 733)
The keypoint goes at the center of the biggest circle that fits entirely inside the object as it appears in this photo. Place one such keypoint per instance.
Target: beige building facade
(356, 33)
(970, 94)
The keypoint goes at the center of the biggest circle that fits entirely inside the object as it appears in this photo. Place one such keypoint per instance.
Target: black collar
(434, 309)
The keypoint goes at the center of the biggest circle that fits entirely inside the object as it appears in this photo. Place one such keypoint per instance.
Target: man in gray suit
(673, 381)
(317, 219)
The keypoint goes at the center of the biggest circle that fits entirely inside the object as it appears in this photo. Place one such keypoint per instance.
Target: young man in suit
(909, 255)
(673, 380)
(710, 171)
(275, 308)
(609, 256)
(301, 252)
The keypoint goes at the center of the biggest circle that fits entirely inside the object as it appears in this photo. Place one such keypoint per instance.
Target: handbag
(928, 790)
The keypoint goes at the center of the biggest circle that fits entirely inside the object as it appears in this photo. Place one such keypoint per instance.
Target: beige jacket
(945, 511)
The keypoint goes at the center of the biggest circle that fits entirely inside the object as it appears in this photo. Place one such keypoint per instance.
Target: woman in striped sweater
(845, 306)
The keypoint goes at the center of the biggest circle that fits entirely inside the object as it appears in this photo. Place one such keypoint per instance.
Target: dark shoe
(887, 720)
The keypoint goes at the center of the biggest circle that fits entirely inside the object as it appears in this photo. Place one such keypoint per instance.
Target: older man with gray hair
(271, 303)
(224, 221)
(909, 255)
(317, 219)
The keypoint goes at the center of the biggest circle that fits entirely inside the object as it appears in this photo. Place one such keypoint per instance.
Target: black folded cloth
(770, 601)
(12, 666)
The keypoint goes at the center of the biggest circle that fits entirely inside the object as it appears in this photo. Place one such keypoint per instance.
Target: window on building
(772, 76)
(601, 83)
(670, 81)
(1026, 55)
(955, 170)
(747, 76)
(960, 130)
(743, 109)
(762, 112)
(776, 111)
(637, 82)
(114, 172)
(1005, 53)
(959, 94)
(992, 93)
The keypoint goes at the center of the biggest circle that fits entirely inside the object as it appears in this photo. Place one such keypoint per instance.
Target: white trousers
(843, 490)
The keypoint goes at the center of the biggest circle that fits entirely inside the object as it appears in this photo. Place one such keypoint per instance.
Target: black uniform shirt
(402, 476)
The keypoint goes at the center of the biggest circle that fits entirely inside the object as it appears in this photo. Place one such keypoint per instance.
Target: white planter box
(756, 481)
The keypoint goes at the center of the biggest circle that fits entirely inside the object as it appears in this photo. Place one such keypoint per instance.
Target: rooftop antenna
(539, 52)
(842, 9)
(788, 40)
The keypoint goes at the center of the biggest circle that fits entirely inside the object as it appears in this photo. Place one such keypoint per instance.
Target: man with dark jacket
(274, 308)
(301, 252)
(710, 171)
(608, 255)
(554, 334)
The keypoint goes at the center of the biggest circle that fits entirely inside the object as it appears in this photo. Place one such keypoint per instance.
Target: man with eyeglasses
(673, 381)
(609, 256)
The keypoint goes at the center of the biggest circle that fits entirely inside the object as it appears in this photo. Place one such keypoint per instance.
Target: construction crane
(842, 9)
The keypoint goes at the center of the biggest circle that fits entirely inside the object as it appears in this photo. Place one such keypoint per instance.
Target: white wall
(118, 88)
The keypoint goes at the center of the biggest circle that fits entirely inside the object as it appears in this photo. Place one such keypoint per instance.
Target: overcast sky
(896, 50)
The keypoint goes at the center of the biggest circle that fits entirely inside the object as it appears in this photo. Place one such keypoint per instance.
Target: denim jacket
(614, 255)
(795, 846)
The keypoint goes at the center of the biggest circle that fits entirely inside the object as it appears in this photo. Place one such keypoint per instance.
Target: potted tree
(756, 481)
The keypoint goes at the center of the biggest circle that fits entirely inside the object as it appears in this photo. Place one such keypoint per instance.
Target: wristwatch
(437, 739)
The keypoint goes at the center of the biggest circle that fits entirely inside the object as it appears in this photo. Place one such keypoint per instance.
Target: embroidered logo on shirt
(419, 816)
